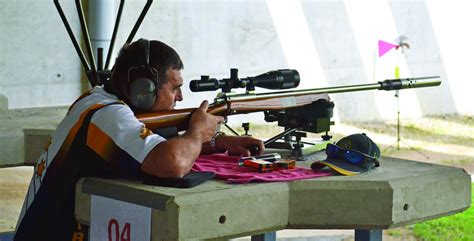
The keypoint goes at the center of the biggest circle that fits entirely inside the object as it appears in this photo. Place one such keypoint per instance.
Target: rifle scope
(274, 80)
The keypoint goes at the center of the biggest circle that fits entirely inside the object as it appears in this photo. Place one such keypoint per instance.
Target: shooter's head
(147, 76)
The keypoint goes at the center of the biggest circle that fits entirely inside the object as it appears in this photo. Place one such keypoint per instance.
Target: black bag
(189, 180)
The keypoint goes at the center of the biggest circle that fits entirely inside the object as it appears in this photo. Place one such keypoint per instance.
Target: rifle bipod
(291, 139)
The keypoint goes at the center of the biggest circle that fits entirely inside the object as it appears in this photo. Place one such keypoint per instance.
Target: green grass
(462, 161)
(459, 227)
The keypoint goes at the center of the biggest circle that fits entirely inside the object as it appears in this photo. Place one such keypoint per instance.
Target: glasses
(352, 156)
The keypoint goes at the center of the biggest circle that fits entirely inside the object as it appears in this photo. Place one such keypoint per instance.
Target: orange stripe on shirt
(61, 155)
(100, 142)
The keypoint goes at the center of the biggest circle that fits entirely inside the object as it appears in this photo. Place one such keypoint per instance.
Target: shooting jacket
(100, 136)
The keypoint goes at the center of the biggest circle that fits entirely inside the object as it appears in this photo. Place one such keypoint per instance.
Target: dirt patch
(399, 234)
(14, 183)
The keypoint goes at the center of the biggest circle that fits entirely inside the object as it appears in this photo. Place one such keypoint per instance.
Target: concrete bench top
(398, 193)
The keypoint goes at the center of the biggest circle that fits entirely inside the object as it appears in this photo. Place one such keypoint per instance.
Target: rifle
(306, 109)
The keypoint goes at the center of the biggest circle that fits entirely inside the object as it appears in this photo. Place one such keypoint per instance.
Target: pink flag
(384, 47)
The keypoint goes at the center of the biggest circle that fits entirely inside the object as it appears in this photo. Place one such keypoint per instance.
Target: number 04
(115, 226)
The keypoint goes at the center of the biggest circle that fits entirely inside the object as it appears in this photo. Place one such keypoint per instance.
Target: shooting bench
(398, 193)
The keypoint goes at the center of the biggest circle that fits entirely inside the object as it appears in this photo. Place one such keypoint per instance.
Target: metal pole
(114, 34)
(100, 59)
(277, 137)
(85, 64)
(139, 21)
(80, 12)
(270, 236)
(397, 94)
(368, 235)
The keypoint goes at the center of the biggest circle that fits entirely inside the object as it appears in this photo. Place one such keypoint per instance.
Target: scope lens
(278, 79)
(200, 85)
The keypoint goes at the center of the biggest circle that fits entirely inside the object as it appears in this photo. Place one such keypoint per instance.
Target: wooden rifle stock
(180, 117)
(280, 100)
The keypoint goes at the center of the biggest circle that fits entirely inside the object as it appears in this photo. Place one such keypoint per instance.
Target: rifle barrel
(390, 84)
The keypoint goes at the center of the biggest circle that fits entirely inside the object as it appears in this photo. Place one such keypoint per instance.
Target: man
(100, 136)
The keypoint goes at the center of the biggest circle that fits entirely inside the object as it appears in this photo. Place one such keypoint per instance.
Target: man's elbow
(177, 169)
(170, 167)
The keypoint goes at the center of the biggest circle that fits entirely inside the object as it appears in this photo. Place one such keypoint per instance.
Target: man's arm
(175, 157)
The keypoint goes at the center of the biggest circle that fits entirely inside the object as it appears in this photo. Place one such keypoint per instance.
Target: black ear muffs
(143, 81)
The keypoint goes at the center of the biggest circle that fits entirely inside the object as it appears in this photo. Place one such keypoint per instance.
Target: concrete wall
(38, 64)
(328, 42)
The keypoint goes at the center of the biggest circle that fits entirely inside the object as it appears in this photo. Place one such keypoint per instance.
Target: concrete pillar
(101, 24)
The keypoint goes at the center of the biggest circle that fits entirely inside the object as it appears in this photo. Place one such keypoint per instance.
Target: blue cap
(357, 142)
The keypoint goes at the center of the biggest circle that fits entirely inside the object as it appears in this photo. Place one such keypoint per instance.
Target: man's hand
(202, 124)
(175, 156)
(240, 145)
